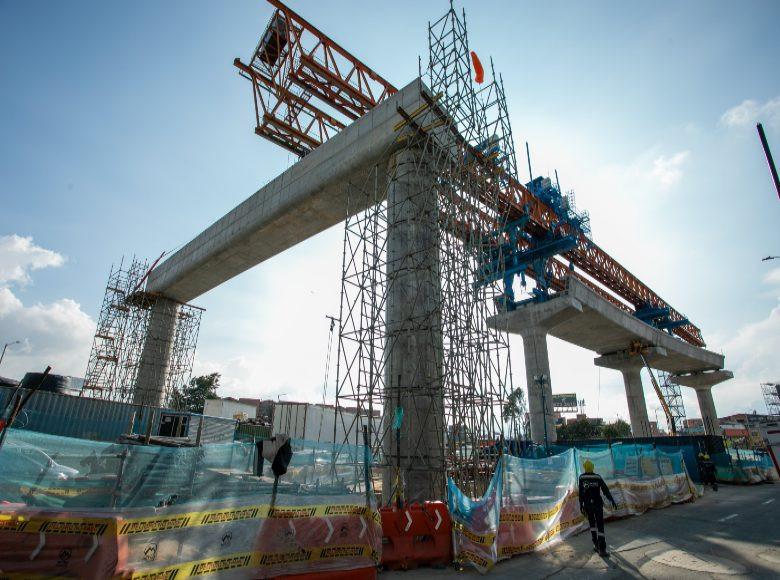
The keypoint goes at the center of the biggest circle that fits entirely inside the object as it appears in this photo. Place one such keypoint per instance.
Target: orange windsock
(479, 72)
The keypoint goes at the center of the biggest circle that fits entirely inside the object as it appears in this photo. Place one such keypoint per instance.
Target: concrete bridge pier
(533, 325)
(703, 382)
(156, 354)
(414, 343)
(631, 368)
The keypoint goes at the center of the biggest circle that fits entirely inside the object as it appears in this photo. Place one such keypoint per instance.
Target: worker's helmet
(588, 466)
(706, 457)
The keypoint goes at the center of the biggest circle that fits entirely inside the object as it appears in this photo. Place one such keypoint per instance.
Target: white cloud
(668, 170)
(773, 277)
(750, 112)
(751, 353)
(19, 256)
(58, 334)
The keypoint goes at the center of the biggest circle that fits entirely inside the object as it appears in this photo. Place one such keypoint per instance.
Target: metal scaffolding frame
(771, 392)
(457, 150)
(121, 334)
(672, 393)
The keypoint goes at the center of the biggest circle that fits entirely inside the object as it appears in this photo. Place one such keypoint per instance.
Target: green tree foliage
(515, 404)
(585, 429)
(193, 397)
(579, 429)
(616, 430)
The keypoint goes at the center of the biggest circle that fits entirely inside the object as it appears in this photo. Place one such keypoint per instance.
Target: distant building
(747, 427)
(229, 408)
(321, 423)
(583, 417)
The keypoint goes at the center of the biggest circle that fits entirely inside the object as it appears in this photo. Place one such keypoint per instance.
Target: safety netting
(95, 510)
(533, 502)
(744, 466)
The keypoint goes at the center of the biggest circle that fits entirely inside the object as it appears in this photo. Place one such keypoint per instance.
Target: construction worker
(707, 471)
(591, 486)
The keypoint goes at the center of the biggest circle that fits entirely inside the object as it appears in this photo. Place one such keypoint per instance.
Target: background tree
(616, 430)
(579, 429)
(193, 397)
(514, 411)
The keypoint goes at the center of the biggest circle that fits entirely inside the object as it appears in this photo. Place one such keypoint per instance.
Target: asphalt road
(734, 533)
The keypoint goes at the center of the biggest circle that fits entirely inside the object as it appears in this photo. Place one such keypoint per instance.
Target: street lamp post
(541, 380)
(7, 344)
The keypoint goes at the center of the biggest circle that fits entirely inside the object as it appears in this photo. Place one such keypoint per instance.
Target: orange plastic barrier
(359, 574)
(36, 542)
(418, 535)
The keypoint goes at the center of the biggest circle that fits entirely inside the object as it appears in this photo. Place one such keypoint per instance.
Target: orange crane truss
(307, 88)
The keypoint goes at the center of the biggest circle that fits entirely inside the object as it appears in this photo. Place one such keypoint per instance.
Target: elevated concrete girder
(604, 328)
(703, 382)
(308, 198)
(580, 316)
(312, 195)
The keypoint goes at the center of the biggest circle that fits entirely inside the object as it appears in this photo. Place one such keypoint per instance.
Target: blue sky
(125, 129)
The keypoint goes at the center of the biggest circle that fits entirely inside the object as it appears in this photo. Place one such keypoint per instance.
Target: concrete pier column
(537, 375)
(709, 415)
(703, 382)
(414, 347)
(155, 356)
(635, 397)
(631, 369)
(533, 322)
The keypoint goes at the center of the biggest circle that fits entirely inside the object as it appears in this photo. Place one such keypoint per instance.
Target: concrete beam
(308, 198)
(602, 327)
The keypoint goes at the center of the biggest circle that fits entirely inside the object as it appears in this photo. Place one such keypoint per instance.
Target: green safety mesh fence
(116, 509)
(534, 501)
(744, 466)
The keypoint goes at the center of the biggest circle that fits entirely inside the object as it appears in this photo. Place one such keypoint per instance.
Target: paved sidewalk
(734, 533)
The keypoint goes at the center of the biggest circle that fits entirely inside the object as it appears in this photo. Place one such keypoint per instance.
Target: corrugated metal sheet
(99, 420)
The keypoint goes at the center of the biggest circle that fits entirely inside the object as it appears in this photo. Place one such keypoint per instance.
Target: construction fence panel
(537, 500)
(744, 466)
(81, 507)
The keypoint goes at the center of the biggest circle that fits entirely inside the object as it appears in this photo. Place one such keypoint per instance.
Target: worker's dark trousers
(596, 520)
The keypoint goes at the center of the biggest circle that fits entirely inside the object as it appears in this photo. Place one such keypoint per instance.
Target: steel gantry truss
(306, 88)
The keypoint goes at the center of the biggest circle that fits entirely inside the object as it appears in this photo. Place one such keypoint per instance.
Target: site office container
(316, 422)
(101, 420)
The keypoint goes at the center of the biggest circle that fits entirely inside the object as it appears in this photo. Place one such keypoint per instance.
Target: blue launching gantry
(659, 317)
(489, 149)
(513, 250)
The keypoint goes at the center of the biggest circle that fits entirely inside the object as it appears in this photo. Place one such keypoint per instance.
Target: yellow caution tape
(57, 525)
(153, 524)
(537, 516)
(254, 560)
(507, 551)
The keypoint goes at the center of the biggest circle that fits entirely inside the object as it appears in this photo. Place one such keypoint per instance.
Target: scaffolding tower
(122, 333)
(672, 393)
(414, 305)
(771, 393)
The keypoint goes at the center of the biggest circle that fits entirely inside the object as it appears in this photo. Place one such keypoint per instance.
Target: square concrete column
(414, 343)
(703, 382)
(537, 376)
(150, 382)
(532, 321)
(631, 368)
